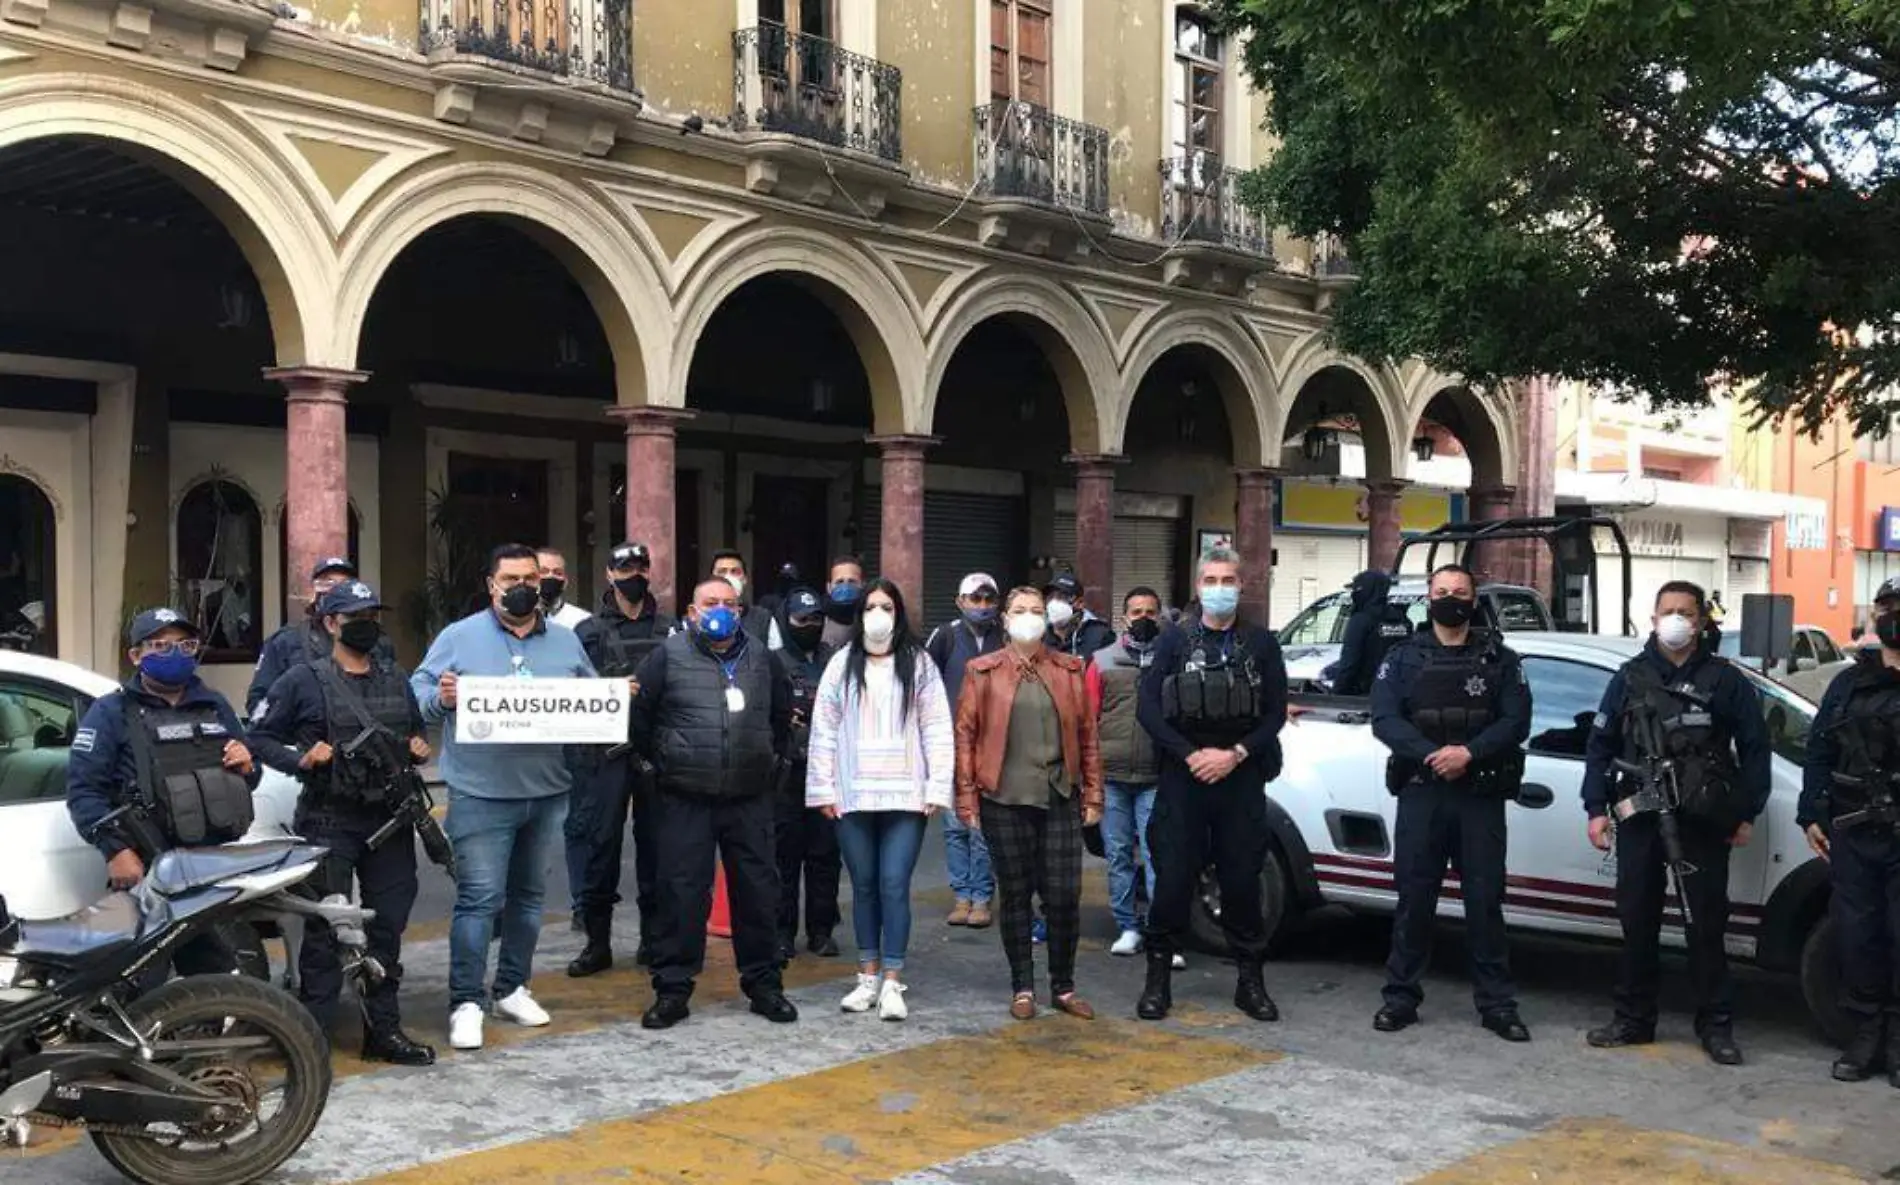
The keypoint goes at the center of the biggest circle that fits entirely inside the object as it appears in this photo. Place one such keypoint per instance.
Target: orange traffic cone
(719, 922)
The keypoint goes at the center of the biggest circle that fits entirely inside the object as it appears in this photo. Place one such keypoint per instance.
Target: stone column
(900, 548)
(1496, 561)
(316, 471)
(1253, 538)
(1536, 474)
(1095, 529)
(1382, 523)
(651, 434)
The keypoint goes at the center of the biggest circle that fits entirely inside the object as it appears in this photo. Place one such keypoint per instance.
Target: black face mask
(519, 601)
(1144, 631)
(1452, 612)
(551, 589)
(360, 636)
(1887, 627)
(634, 588)
(807, 635)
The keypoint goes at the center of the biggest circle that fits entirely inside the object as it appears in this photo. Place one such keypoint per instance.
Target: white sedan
(46, 870)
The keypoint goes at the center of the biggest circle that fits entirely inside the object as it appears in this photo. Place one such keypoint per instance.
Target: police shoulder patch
(1601, 722)
(83, 740)
(1385, 668)
(258, 713)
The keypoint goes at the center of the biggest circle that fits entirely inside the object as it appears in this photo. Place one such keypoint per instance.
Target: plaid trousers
(1037, 851)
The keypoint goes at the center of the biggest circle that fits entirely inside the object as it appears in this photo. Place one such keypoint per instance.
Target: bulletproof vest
(369, 737)
(1393, 631)
(1867, 742)
(1128, 752)
(702, 747)
(805, 675)
(617, 654)
(1213, 693)
(1701, 749)
(180, 759)
(1455, 695)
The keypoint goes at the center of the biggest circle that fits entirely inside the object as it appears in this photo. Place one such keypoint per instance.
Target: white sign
(511, 711)
(1807, 529)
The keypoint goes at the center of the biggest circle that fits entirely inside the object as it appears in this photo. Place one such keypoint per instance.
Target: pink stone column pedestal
(1095, 530)
(900, 549)
(651, 438)
(1253, 538)
(316, 470)
(1496, 562)
(1382, 523)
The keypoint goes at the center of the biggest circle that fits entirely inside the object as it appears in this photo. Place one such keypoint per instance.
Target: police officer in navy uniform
(1374, 626)
(345, 726)
(173, 747)
(1850, 810)
(1710, 720)
(807, 841)
(298, 642)
(610, 784)
(1454, 708)
(1214, 700)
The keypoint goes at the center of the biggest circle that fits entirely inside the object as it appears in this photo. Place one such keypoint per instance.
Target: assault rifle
(1658, 792)
(412, 809)
(1878, 797)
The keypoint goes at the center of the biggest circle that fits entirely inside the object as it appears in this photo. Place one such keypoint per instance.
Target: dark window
(37, 722)
(27, 587)
(1019, 51)
(220, 560)
(1565, 697)
(1518, 611)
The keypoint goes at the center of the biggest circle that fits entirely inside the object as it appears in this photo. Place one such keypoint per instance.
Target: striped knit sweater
(863, 758)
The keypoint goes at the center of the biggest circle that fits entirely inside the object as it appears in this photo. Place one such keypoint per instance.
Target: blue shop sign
(1890, 529)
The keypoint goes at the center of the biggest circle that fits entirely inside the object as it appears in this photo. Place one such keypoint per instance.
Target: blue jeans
(503, 847)
(1125, 811)
(880, 849)
(968, 856)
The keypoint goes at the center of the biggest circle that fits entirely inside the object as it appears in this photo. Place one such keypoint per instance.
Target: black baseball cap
(1064, 584)
(352, 596)
(153, 620)
(628, 556)
(334, 563)
(802, 602)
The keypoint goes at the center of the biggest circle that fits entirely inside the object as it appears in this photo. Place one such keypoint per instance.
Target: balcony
(1023, 151)
(588, 40)
(1331, 260)
(815, 89)
(1219, 242)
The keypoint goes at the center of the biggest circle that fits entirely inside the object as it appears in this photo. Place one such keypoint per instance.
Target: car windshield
(1324, 621)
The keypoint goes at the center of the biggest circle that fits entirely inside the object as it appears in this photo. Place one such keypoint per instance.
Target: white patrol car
(46, 870)
(1333, 821)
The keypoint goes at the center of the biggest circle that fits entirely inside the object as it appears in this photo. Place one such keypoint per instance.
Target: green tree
(1661, 196)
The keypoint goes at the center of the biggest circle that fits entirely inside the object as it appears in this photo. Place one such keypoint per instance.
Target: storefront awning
(1613, 492)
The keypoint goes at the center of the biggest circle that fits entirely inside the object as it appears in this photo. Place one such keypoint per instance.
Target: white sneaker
(465, 1027)
(1180, 962)
(1128, 944)
(520, 1007)
(863, 996)
(890, 1001)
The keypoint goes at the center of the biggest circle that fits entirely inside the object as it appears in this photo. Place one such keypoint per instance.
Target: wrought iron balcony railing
(1024, 151)
(585, 39)
(1200, 202)
(1331, 259)
(814, 88)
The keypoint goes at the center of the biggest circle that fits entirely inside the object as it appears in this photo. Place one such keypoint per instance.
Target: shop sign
(1310, 505)
(1890, 529)
(1652, 536)
(1807, 529)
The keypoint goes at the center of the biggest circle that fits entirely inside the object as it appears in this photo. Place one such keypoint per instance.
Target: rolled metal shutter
(1310, 567)
(963, 533)
(1147, 550)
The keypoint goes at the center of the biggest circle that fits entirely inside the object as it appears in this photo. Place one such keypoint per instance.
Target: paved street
(962, 1095)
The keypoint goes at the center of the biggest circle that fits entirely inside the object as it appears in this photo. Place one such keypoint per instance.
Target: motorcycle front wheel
(282, 1080)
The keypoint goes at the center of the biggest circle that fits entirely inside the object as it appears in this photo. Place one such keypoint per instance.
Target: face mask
(1675, 632)
(168, 670)
(520, 601)
(1220, 600)
(360, 636)
(1887, 628)
(738, 586)
(980, 617)
(1025, 627)
(845, 594)
(879, 625)
(1144, 631)
(1451, 612)
(634, 588)
(718, 624)
(1060, 613)
(807, 636)
(551, 589)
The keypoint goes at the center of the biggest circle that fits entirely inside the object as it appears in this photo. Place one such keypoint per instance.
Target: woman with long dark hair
(882, 759)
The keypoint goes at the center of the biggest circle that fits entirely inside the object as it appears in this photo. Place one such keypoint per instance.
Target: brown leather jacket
(989, 689)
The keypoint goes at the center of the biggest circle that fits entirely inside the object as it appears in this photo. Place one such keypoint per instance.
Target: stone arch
(871, 309)
(244, 187)
(1243, 373)
(1379, 411)
(1482, 424)
(583, 234)
(9, 467)
(1082, 358)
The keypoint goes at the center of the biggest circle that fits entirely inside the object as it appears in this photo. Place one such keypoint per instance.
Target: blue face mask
(718, 624)
(845, 594)
(1220, 600)
(979, 616)
(168, 670)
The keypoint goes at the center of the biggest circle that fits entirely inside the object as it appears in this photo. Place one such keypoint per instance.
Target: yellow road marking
(1607, 1152)
(870, 1120)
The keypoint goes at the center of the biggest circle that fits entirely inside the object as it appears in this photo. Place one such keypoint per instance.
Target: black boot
(1862, 1056)
(598, 954)
(1250, 994)
(1157, 995)
(822, 944)
(393, 1045)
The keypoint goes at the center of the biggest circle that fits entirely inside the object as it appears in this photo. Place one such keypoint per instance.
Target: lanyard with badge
(735, 695)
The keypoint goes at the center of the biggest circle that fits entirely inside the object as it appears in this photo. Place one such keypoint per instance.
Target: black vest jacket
(369, 754)
(1700, 747)
(804, 673)
(1455, 695)
(180, 758)
(700, 745)
(1867, 761)
(1211, 695)
(618, 646)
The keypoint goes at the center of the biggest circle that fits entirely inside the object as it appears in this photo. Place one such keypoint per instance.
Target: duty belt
(1640, 803)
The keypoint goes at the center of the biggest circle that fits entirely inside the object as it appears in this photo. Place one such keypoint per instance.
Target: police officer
(346, 726)
(1850, 809)
(807, 841)
(1679, 696)
(298, 642)
(1214, 700)
(608, 783)
(173, 748)
(1072, 628)
(1453, 706)
(1374, 626)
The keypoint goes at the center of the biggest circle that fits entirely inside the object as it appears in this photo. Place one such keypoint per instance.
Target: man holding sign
(504, 759)
(712, 713)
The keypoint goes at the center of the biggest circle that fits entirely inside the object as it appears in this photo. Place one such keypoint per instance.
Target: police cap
(334, 563)
(352, 596)
(1064, 585)
(153, 620)
(629, 556)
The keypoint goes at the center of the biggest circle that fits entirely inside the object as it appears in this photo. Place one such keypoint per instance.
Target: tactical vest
(179, 753)
(701, 746)
(804, 675)
(368, 753)
(617, 654)
(1867, 743)
(1213, 694)
(1128, 752)
(1701, 749)
(1452, 701)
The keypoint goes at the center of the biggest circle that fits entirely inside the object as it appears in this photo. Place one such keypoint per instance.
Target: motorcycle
(204, 1080)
